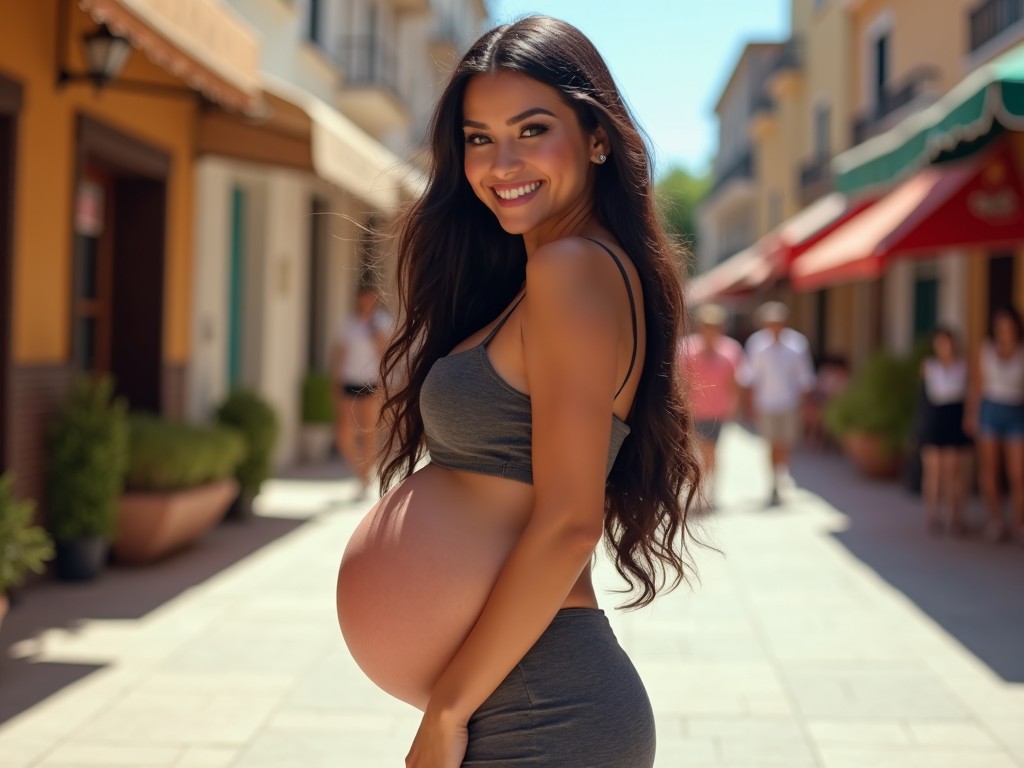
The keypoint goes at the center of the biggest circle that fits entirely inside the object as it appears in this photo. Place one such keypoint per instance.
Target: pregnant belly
(416, 573)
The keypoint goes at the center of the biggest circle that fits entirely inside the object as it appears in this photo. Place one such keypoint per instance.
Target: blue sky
(671, 58)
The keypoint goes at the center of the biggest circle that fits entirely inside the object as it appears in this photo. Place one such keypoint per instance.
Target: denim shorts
(1001, 421)
(574, 701)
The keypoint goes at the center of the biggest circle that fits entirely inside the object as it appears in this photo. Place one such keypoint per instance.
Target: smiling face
(527, 157)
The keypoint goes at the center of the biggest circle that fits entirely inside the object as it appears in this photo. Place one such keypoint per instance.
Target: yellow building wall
(828, 72)
(921, 35)
(45, 178)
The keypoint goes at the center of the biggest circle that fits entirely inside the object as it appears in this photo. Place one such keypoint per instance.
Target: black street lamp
(106, 54)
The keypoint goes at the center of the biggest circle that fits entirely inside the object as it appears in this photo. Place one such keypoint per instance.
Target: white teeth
(512, 194)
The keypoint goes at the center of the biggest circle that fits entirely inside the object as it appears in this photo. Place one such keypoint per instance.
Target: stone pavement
(791, 651)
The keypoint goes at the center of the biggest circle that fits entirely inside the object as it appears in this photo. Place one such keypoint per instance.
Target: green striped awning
(993, 92)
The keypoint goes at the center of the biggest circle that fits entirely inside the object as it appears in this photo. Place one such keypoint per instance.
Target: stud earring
(601, 158)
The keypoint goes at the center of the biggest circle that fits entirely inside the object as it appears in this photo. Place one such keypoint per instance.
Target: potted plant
(179, 482)
(255, 419)
(24, 547)
(317, 417)
(87, 448)
(873, 416)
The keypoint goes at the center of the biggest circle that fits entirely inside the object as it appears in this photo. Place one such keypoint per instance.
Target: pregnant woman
(534, 363)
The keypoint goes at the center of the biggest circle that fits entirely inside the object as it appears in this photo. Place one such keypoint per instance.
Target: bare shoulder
(578, 271)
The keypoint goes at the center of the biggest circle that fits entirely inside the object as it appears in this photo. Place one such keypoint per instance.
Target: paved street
(797, 648)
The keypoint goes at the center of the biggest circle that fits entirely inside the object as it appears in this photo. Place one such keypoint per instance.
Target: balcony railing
(990, 18)
(890, 100)
(741, 168)
(815, 179)
(367, 62)
(790, 57)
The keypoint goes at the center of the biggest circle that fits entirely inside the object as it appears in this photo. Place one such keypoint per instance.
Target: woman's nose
(506, 159)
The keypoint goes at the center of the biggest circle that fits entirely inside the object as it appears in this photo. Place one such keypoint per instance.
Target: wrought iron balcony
(989, 19)
(815, 179)
(369, 93)
(891, 100)
(367, 61)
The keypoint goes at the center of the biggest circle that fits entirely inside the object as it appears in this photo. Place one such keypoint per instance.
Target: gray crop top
(475, 421)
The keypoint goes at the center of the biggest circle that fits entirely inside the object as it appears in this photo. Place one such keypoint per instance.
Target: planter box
(868, 454)
(152, 525)
(315, 442)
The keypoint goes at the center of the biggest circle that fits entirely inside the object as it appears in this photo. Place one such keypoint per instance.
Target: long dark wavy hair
(457, 270)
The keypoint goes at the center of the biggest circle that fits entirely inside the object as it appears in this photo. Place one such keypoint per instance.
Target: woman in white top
(943, 440)
(996, 415)
(362, 339)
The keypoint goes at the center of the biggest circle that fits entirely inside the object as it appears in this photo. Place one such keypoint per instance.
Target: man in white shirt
(779, 373)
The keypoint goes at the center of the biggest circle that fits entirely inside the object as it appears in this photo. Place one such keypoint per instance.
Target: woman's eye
(477, 139)
(530, 131)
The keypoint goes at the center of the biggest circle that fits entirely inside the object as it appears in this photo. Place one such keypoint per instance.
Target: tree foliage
(679, 192)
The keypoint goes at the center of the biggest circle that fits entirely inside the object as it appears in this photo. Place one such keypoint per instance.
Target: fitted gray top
(475, 421)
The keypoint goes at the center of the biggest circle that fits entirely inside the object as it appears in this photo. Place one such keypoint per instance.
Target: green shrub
(317, 400)
(879, 400)
(88, 451)
(256, 420)
(24, 547)
(170, 456)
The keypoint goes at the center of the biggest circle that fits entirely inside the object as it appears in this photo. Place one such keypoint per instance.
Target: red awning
(808, 227)
(739, 274)
(975, 202)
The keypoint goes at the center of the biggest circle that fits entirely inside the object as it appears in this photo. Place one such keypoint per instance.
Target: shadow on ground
(973, 589)
(120, 593)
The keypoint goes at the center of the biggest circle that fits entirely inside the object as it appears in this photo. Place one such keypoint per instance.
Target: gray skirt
(574, 701)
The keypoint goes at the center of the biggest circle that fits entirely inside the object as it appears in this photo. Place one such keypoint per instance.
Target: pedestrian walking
(779, 374)
(361, 340)
(710, 362)
(995, 414)
(535, 362)
(942, 438)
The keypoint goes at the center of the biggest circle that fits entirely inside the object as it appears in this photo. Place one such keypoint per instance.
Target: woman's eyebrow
(512, 120)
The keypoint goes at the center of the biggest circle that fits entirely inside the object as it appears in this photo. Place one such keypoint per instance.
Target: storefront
(101, 254)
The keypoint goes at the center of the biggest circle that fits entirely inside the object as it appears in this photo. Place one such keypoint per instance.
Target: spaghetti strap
(632, 309)
(496, 328)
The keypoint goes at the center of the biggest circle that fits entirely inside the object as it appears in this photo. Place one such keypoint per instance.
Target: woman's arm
(571, 340)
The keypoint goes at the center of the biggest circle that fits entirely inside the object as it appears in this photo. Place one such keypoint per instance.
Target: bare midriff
(419, 568)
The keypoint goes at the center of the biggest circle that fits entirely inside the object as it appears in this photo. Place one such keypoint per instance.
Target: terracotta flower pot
(152, 525)
(868, 453)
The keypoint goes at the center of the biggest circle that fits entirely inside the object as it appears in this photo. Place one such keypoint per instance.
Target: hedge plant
(317, 399)
(256, 420)
(87, 448)
(171, 456)
(24, 547)
(880, 400)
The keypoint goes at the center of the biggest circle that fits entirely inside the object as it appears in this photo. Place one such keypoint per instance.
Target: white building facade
(280, 249)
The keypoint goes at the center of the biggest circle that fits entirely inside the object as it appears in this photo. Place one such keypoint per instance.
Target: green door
(236, 286)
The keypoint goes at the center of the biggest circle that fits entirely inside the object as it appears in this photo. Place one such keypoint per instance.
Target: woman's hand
(970, 425)
(440, 743)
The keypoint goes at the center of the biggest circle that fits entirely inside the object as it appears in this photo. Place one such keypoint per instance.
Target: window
(315, 31)
(881, 67)
(822, 128)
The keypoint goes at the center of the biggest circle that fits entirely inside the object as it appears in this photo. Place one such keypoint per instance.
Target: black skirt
(942, 426)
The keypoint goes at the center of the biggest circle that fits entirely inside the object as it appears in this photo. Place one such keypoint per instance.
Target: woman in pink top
(709, 361)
